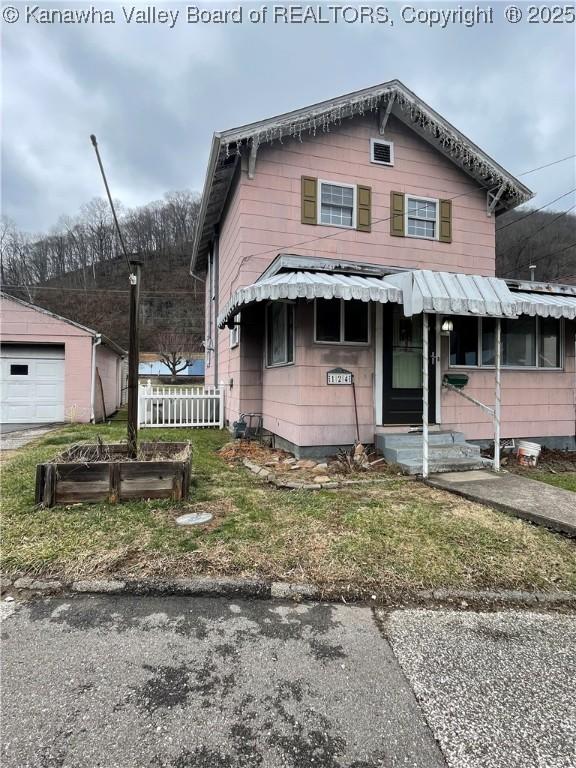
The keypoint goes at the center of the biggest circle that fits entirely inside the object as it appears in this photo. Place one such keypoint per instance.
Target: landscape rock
(289, 460)
(46, 586)
(322, 466)
(322, 479)
(5, 582)
(96, 585)
(25, 582)
(284, 590)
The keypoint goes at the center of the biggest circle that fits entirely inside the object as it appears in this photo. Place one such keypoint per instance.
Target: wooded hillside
(545, 239)
(78, 270)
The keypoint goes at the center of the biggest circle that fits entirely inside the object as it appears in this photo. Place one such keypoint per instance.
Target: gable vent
(381, 152)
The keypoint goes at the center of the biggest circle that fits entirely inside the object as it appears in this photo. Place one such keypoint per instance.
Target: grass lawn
(566, 480)
(400, 534)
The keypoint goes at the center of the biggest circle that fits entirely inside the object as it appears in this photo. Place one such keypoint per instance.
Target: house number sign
(339, 376)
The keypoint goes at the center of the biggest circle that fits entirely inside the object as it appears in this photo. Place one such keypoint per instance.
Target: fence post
(140, 405)
(221, 405)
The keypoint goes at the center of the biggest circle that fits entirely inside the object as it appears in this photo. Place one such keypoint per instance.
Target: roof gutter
(212, 163)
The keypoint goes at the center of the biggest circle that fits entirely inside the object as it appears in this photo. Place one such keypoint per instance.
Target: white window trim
(341, 343)
(436, 200)
(319, 204)
(289, 307)
(381, 162)
(235, 333)
(540, 369)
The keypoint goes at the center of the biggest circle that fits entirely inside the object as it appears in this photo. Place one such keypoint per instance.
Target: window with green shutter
(309, 201)
(364, 213)
(445, 231)
(397, 214)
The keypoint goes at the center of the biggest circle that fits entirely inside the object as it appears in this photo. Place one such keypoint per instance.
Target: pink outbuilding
(53, 369)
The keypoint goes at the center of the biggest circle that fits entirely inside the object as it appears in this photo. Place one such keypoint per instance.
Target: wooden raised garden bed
(103, 472)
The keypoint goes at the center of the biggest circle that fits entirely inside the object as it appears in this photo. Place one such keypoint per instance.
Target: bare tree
(175, 348)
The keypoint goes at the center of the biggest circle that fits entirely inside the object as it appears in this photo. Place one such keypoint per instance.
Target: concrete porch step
(405, 451)
(447, 452)
(434, 438)
(414, 466)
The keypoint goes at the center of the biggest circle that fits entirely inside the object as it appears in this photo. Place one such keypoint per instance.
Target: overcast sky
(154, 95)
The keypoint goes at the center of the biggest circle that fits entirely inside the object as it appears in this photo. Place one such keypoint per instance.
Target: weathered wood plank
(71, 491)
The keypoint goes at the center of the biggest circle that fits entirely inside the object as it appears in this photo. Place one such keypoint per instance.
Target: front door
(402, 375)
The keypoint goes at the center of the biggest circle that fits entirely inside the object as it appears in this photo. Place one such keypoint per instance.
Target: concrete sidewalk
(532, 500)
(12, 439)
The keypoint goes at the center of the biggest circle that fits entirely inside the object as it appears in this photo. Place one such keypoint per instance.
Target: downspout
(216, 268)
(96, 340)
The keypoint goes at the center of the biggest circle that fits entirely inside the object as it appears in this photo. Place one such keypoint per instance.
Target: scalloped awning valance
(418, 291)
(311, 285)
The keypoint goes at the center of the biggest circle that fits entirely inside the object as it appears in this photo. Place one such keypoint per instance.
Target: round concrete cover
(194, 518)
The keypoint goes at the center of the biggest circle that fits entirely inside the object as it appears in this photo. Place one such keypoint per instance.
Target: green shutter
(309, 202)
(445, 233)
(397, 214)
(364, 208)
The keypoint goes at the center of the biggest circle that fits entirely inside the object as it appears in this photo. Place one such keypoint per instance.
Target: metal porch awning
(448, 293)
(418, 291)
(546, 304)
(311, 285)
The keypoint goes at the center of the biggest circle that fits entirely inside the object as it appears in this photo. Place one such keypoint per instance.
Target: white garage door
(32, 384)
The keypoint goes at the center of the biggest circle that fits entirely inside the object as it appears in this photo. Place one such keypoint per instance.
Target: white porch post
(424, 395)
(497, 400)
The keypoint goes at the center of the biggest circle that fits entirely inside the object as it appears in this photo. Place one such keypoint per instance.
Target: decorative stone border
(267, 474)
(298, 591)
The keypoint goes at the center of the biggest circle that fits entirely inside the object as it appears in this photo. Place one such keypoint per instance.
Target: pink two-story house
(332, 237)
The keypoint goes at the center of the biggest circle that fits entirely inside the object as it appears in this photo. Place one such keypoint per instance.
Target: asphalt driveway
(175, 682)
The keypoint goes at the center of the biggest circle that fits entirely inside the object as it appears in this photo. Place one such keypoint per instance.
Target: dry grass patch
(393, 535)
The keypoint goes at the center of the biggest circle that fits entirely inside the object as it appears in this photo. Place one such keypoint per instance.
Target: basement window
(337, 321)
(381, 152)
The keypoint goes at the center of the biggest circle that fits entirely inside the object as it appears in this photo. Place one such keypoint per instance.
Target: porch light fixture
(447, 326)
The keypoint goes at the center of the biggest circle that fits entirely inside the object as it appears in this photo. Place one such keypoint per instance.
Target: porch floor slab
(532, 500)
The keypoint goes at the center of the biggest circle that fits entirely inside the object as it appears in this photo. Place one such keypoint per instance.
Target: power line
(540, 167)
(540, 258)
(536, 210)
(533, 234)
(38, 287)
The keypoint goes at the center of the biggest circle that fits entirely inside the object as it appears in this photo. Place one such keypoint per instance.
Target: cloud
(153, 96)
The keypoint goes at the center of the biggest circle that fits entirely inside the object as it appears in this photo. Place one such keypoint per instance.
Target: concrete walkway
(532, 500)
(12, 439)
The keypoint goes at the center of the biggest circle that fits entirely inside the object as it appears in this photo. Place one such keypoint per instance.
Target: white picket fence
(180, 406)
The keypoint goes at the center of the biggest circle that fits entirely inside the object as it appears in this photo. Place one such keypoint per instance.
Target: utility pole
(134, 269)
(133, 357)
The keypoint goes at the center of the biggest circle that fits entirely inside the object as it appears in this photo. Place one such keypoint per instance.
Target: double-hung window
(422, 217)
(341, 322)
(235, 333)
(527, 342)
(279, 334)
(337, 204)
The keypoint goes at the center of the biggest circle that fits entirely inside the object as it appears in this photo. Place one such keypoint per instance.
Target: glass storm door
(402, 375)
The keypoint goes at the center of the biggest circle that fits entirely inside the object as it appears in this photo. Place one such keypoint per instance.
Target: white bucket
(528, 453)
